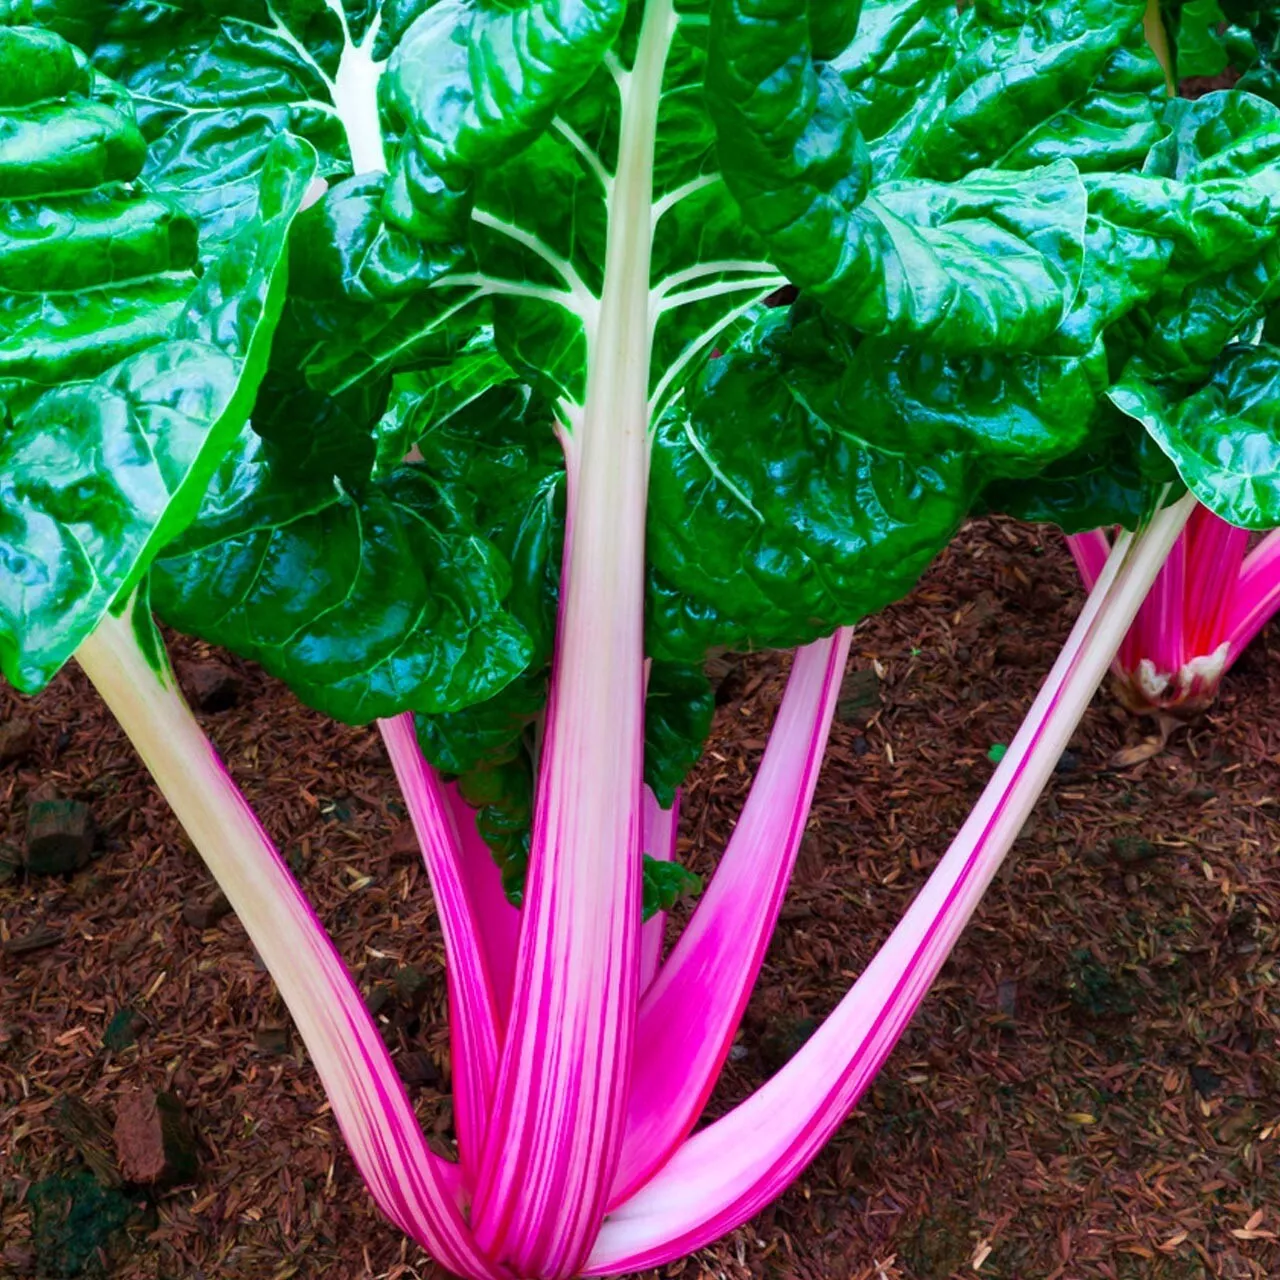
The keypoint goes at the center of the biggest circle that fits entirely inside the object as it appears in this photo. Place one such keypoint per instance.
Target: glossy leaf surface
(1224, 438)
(124, 377)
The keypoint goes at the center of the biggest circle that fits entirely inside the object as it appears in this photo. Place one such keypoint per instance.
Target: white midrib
(354, 88)
(355, 94)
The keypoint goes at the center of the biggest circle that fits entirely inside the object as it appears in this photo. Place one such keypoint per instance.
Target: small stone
(1130, 883)
(419, 1070)
(210, 686)
(60, 836)
(783, 1041)
(1205, 1082)
(1131, 851)
(275, 1042)
(404, 842)
(738, 1053)
(1014, 653)
(17, 740)
(205, 914)
(124, 1028)
(412, 987)
(1068, 762)
(861, 746)
(153, 1139)
(859, 697)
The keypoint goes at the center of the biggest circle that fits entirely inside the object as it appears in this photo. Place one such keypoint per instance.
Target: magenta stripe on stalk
(497, 921)
(474, 1034)
(689, 1016)
(659, 842)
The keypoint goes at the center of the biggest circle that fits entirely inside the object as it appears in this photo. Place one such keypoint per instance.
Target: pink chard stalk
(1216, 591)
(452, 384)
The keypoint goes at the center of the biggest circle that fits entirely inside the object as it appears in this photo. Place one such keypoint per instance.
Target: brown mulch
(1092, 1089)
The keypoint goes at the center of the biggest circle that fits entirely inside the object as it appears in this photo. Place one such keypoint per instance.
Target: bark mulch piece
(1090, 1092)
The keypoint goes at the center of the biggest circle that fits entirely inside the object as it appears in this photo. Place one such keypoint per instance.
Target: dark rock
(412, 987)
(859, 697)
(419, 1070)
(207, 913)
(153, 1139)
(1132, 851)
(861, 746)
(1015, 653)
(1205, 1082)
(126, 1025)
(60, 836)
(210, 686)
(275, 1042)
(784, 1040)
(17, 740)
(1068, 762)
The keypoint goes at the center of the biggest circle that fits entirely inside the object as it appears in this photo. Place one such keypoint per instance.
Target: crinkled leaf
(366, 602)
(784, 522)
(991, 261)
(473, 83)
(361, 303)
(425, 400)
(943, 89)
(1224, 438)
(216, 83)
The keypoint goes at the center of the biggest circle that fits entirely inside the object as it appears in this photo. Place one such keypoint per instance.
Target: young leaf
(665, 884)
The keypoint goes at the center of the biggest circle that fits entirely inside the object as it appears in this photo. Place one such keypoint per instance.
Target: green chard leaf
(990, 261)
(679, 704)
(942, 89)
(124, 376)
(812, 476)
(1117, 478)
(1224, 438)
(368, 599)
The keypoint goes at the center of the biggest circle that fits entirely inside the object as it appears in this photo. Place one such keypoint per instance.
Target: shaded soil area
(1092, 1089)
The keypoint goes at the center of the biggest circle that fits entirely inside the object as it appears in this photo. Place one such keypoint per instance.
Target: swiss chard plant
(476, 368)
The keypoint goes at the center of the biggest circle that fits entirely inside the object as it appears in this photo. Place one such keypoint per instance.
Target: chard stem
(556, 1129)
(419, 1191)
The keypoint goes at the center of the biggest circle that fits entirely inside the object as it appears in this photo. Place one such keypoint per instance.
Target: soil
(1092, 1089)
